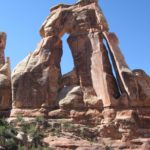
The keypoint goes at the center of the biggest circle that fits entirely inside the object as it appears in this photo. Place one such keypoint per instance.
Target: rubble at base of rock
(118, 106)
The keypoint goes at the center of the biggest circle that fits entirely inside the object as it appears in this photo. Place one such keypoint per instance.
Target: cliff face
(91, 91)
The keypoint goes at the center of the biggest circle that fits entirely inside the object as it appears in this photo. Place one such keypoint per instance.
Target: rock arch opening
(112, 66)
(67, 63)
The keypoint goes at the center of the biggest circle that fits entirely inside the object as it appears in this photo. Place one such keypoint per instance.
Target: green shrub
(8, 133)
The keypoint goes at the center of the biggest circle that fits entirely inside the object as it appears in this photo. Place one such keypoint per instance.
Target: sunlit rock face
(5, 76)
(101, 74)
(36, 79)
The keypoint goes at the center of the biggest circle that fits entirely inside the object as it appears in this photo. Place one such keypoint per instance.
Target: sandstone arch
(41, 70)
(39, 74)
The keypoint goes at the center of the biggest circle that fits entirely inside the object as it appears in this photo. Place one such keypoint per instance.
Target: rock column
(5, 76)
(2, 47)
(93, 67)
(36, 79)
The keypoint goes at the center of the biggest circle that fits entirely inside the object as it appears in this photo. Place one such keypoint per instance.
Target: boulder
(71, 97)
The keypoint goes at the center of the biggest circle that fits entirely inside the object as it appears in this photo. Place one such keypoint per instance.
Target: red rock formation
(2, 47)
(134, 84)
(39, 73)
(5, 76)
(116, 105)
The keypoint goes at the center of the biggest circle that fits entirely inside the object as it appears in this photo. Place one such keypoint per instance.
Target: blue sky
(129, 19)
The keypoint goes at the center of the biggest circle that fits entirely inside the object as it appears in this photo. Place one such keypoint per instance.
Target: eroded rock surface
(134, 84)
(39, 75)
(5, 76)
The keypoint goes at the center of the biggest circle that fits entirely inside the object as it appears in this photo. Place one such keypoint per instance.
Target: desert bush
(10, 141)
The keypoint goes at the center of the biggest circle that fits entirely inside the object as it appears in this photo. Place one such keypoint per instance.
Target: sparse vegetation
(28, 135)
(22, 135)
(108, 148)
